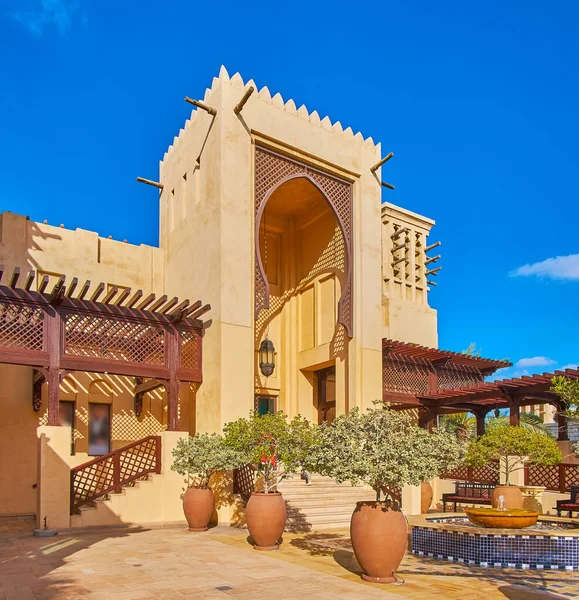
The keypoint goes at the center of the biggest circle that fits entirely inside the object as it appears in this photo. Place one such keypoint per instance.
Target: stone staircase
(138, 503)
(323, 505)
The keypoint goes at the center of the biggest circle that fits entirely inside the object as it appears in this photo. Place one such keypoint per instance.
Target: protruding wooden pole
(200, 105)
(379, 164)
(432, 246)
(387, 185)
(149, 182)
(243, 100)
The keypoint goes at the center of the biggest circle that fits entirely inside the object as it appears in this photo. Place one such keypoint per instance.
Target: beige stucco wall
(18, 447)
(78, 253)
(207, 223)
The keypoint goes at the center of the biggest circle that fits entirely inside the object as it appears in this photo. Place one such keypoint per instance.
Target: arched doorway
(303, 256)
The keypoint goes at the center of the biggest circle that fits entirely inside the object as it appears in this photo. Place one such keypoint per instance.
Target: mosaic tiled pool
(553, 544)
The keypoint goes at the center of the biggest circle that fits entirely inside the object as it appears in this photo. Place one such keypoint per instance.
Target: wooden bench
(569, 504)
(471, 493)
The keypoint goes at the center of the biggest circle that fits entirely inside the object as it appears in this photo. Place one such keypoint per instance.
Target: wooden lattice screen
(557, 478)
(273, 169)
(111, 472)
(56, 333)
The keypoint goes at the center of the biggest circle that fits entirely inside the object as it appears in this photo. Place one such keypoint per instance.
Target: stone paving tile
(170, 563)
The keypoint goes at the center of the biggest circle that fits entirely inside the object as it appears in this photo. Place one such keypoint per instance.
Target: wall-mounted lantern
(266, 357)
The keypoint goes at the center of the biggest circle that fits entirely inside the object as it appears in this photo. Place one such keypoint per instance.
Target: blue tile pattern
(498, 550)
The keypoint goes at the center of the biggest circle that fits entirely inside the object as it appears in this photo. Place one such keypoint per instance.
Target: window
(99, 429)
(66, 411)
(265, 405)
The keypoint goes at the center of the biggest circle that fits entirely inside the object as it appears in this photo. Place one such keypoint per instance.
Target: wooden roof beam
(15, 277)
(136, 297)
(163, 310)
(84, 290)
(125, 293)
(179, 309)
(198, 313)
(146, 302)
(58, 291)
(43, 284)
(110, 294)
(100, 289)
(148, 386)
(71, 287)
(30, 279)
(158, 303)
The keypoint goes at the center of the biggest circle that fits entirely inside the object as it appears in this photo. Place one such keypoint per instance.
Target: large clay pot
(198, 506)
(425, 497)
(512, 495)
(379, 537)
(265, 515)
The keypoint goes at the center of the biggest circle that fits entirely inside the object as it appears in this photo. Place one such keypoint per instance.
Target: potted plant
(384, 449)
(198, 458)
(514, 447)
(276, 449)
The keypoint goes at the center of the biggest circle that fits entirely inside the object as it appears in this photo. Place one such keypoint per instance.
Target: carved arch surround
(273, 170)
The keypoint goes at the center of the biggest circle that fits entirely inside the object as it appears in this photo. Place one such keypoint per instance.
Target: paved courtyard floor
(146, 564)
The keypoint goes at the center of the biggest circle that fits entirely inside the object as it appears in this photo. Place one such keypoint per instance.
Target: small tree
(275, 447)
(384, 449)
(568, 391)
(514, 447)
(198, 457)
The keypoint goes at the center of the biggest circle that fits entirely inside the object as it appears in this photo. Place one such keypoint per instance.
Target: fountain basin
(552, 543)
(502, 519)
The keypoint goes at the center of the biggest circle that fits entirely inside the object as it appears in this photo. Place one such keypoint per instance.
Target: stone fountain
(501, 517)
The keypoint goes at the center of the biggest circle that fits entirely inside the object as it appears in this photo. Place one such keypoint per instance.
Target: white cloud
(571, 366)
(39, 14)
(535, 361)
(560, 267)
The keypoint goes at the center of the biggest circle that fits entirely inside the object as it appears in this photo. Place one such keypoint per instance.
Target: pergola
(111, 330)
(439, 382)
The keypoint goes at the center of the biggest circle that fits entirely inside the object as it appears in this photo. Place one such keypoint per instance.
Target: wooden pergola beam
(15, 277)
(84, 290)
(30, 280)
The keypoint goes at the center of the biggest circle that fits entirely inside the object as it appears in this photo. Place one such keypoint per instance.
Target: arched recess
(272, 170)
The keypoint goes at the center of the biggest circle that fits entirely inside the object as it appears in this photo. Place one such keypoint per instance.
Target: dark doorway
(326, 394)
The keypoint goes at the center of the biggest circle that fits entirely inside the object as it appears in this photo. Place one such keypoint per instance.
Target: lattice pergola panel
(571, 476)
(109, 338)
(244, 481)
(21, 326)
(404, 377)
(189, 350)
(546, 476)
(271, 169)
(486, 474)
(458, 376)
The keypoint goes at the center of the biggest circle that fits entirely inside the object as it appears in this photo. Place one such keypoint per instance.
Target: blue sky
(479, 102)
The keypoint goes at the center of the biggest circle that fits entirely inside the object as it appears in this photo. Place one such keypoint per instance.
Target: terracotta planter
(265, 515)
(512, 495)
(379, 537)
(198, 506)
(425, 497)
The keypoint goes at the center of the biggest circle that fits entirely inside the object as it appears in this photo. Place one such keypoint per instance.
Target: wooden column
(562, 422)
(515, 410)
(480, 415)
(427, 417)
(173, 361)
(53, 343)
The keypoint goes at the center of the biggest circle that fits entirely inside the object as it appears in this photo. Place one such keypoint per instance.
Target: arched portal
(272, 171)
(303, 258)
